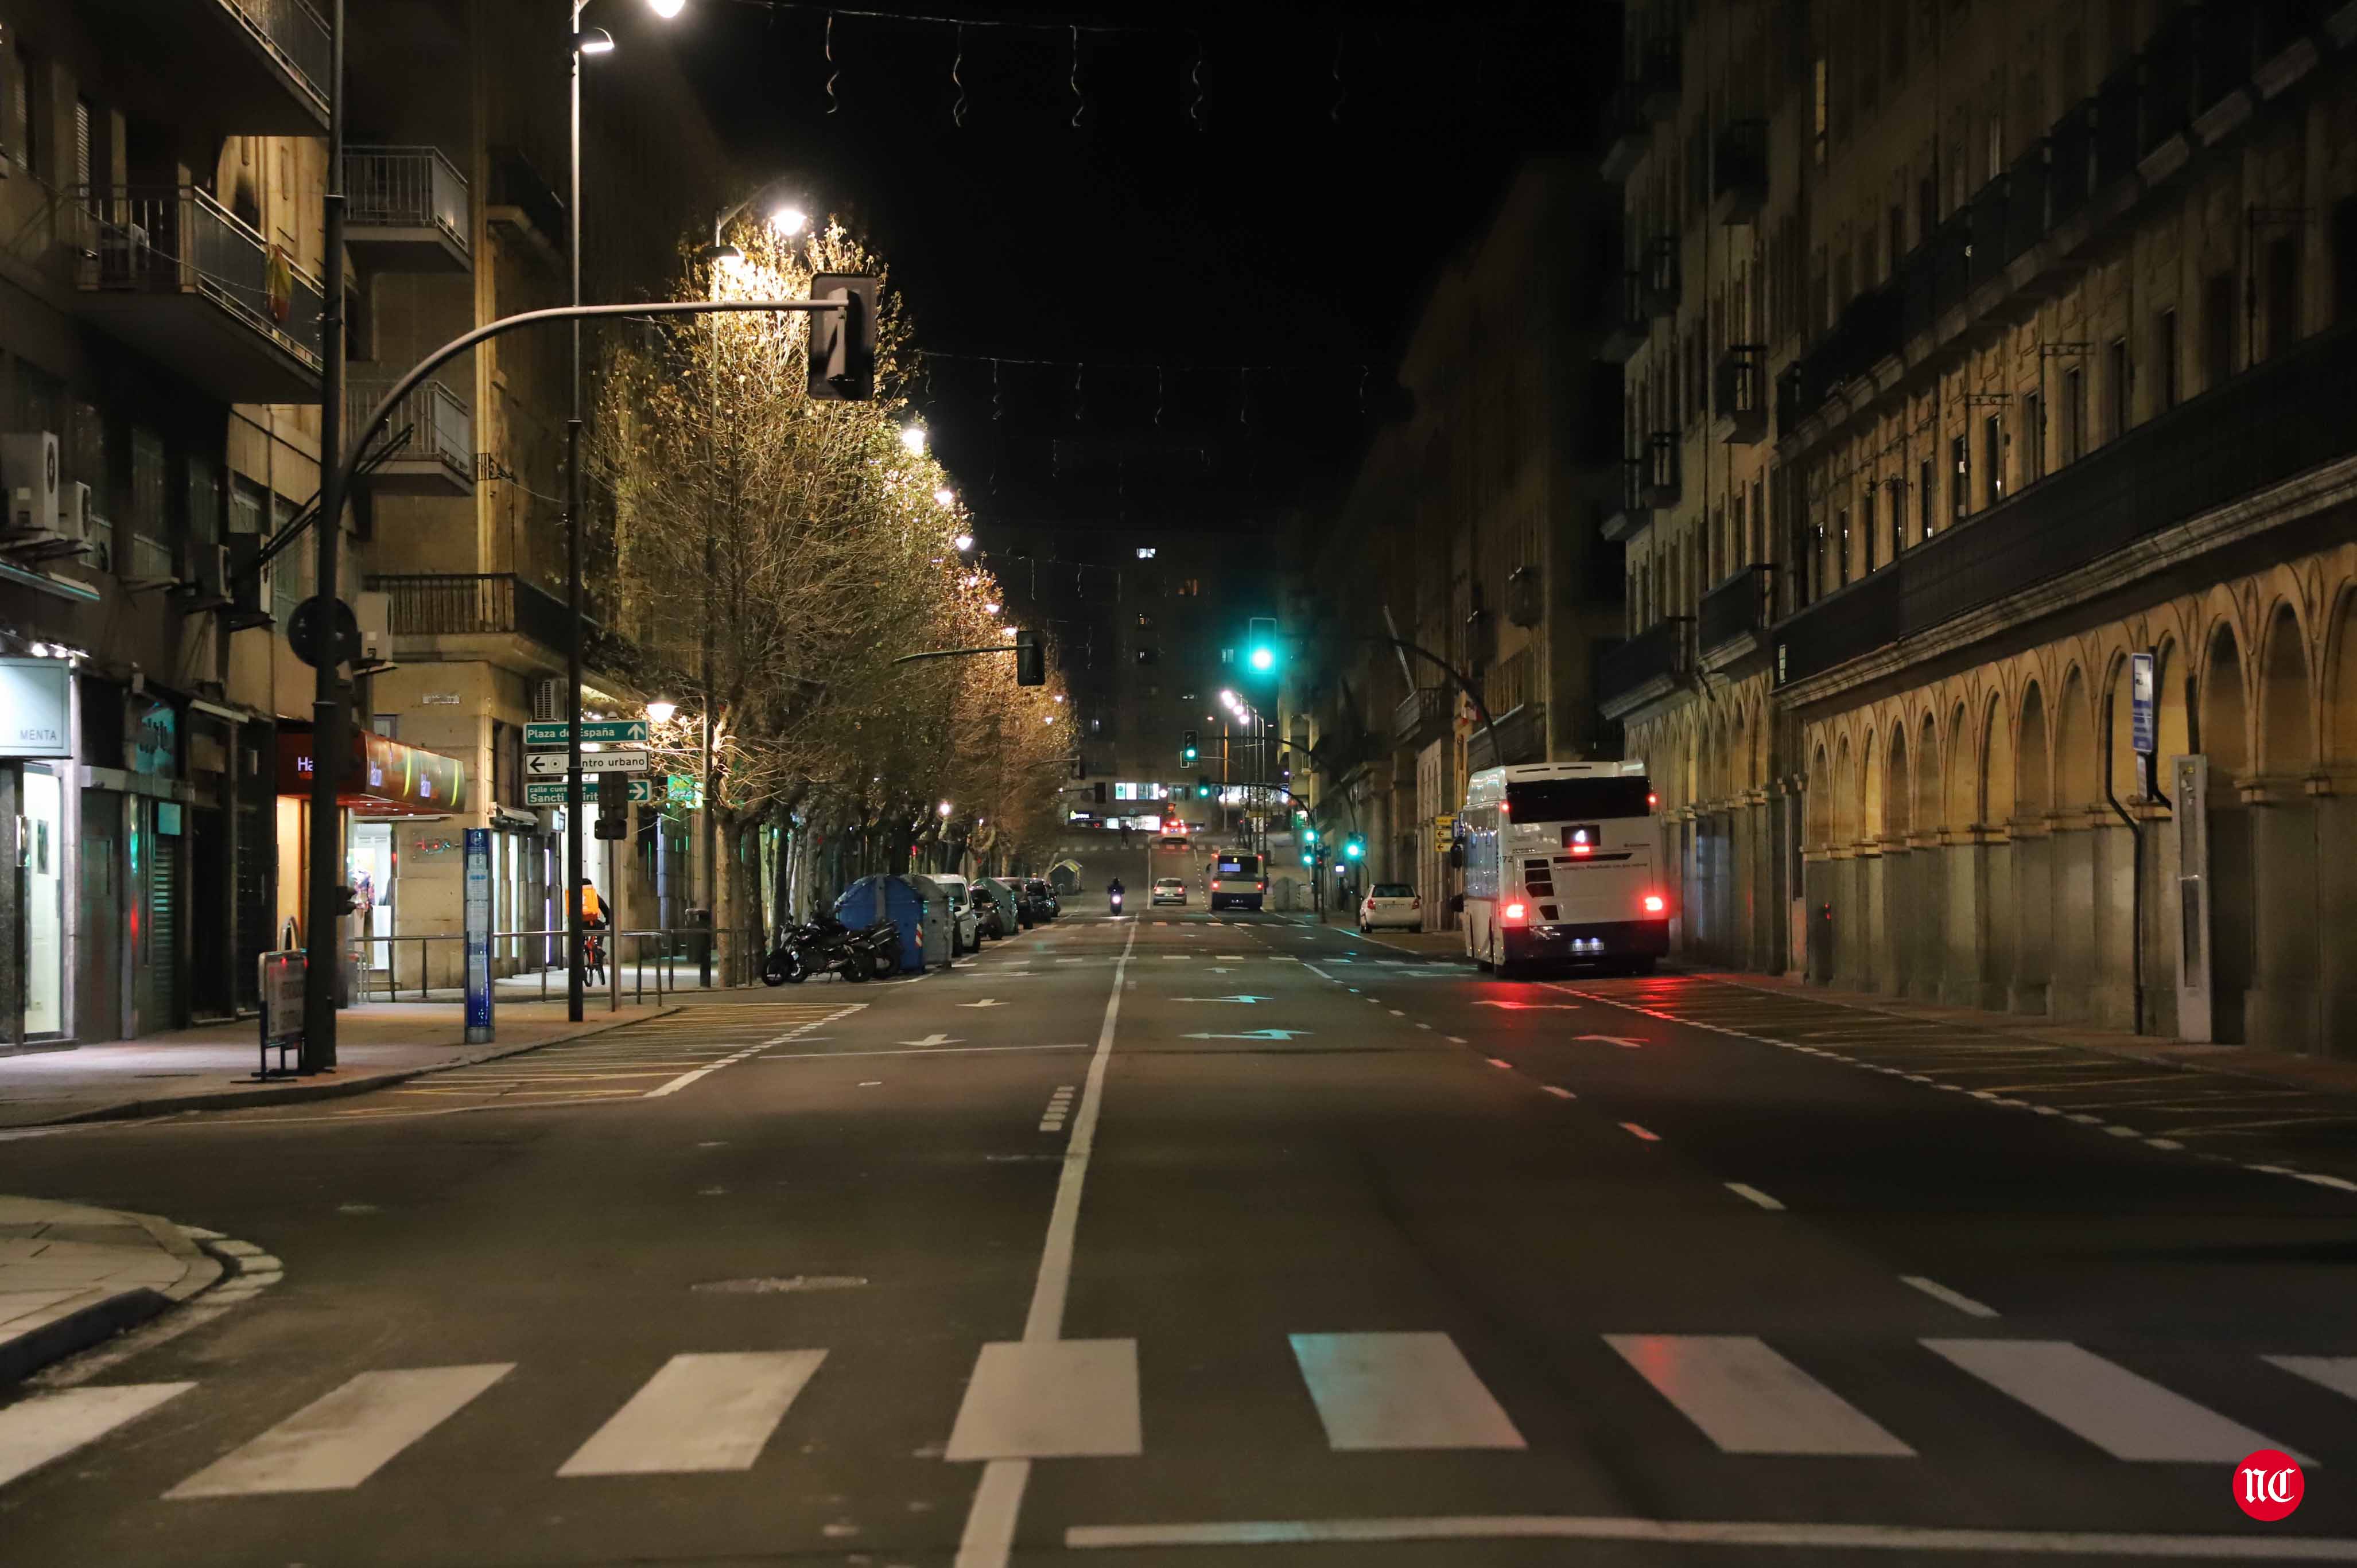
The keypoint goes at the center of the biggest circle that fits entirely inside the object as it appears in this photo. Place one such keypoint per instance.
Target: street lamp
(789, 220)
(661, 711)
(667, 9)
(965, 542)
(912, 440)
(945, 496)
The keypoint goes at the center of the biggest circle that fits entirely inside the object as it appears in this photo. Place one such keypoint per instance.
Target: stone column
(2283, 1010)
(2074, 968)
(2029, 952)
(2336, 911)
(1927, 923)
(1970, 872)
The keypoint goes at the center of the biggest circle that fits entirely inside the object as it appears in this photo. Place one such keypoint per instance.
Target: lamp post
(786, 220)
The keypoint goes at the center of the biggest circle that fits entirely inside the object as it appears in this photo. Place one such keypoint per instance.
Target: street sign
(550, 791)
(1444, 833)
(2144, 736)
(605, 732)
(551, 764)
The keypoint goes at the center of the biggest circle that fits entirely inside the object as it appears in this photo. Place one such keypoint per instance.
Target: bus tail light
(1215, 885)
(1515, 913)
(1655, 903)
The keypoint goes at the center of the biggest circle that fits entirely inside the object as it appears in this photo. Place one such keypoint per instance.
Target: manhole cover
(779, 1286)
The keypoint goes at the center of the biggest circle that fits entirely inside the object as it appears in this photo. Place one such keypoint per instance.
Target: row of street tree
(795, 548)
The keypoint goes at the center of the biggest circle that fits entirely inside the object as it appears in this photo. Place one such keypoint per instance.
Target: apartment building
(1977, 352)
(1469, 529)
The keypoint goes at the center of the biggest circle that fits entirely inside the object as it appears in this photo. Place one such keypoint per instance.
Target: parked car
(1043, 898)
(1391, 906)
(1169, 890)
(965, 922)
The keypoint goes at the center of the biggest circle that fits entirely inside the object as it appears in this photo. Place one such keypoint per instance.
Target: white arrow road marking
(934, 1039)
(986, 1001)
(1251, 1035)
(1614, 1040)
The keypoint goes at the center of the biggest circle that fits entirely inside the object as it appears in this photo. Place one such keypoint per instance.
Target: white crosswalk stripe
(1749, 1400)
(2126, 1416)
(49, 1426)
(699, 1413)
(337, 1442)
(1400, 1391)
(2337, 1373)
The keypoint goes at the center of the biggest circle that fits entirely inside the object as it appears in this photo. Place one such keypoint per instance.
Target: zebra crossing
(1389, 1392)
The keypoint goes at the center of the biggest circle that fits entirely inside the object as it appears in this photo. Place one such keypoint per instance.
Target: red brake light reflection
(1515, 911)
(1654, 904)
(1215, 882)
(1583, 849)
(1651, 799)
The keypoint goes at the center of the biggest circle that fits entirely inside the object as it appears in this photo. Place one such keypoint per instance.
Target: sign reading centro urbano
(605, 732)
(551, 764)
(548, 792)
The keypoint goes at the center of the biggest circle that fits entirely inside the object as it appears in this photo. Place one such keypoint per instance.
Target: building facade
(1975, 349)
(1469, 531)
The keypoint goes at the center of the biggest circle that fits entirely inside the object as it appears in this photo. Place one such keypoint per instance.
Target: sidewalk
(2308, 1072)
(70, 1276)
(213, 1066)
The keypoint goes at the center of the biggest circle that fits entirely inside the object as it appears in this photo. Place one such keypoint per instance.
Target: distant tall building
(1972, 349)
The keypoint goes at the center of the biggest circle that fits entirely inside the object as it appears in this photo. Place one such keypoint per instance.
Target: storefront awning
(383, 779)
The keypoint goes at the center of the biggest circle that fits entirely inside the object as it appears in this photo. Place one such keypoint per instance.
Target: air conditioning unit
(548, 700)
(374, 613)
(123, 257)
(29, 473)
(207, 584)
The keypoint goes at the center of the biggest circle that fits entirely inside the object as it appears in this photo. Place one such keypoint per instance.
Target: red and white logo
(2268, 1485)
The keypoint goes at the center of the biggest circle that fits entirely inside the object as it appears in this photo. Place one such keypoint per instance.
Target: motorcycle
(1117, 903)
(827, 946)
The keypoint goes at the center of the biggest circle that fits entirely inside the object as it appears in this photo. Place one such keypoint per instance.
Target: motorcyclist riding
(1113, 893)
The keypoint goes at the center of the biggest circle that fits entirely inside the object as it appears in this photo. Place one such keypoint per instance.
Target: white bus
(1560, 866)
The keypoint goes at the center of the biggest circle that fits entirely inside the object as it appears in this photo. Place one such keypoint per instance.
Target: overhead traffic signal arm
(1030, 656)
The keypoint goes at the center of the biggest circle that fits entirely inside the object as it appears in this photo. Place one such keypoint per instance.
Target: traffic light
(843, 342)
(1030, 660)
(1354, 847)
(1260, 644)
(1203, 786)
(1187, 747)
(1308, 834)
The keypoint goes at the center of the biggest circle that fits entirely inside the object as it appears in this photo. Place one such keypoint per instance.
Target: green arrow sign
(550, 791)
(605, 732)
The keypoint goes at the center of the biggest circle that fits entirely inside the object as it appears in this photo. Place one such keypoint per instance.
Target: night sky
(1168, 241)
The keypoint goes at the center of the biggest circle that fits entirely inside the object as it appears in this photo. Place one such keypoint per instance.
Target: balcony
(1645, 669)
(1520, 737)
(255, 67)
(173, 274)
(1627, 130)
(1657, 276)
(1738, 398)
(2272, 421)
(1733, 623)
(430, 435)
(526, 206)
(405, 210)
(1649, 483)
(1738, 171)
(1871, 330)
(446, 605)
(1631, 325)
(1422, 716)
(1658, 79)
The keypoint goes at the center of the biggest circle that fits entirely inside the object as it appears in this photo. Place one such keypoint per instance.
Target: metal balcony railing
(1739, 169)
(178, 240)
(1420, 715)
(1657, 276)
(1657, 472)
(440, 428)
(467, 603)
(405, 188)
(1737, 609)
(1631, 323)
(1655, 656)
(2283, 416)
(1740, 393)
(295, 35)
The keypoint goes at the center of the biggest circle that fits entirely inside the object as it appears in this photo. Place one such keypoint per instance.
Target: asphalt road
(1181, 1239)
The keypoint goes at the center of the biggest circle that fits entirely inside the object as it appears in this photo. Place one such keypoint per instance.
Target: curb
(95, 1322)
(298, 1093)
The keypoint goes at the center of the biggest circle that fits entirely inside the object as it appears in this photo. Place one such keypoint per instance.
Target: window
(2164, 355)
(1189, 587)
(2344, 258)
(2074, 415)
(1146, 621)
(2217, 330)
(1759, 519)
(1820, 117)
(1898, 516)
(1149, 656)
(1926, 497)
(1993, 460)
(2283, 293)
(1960, 477)
(2116, 389)
(84, 155)
(2033, 426)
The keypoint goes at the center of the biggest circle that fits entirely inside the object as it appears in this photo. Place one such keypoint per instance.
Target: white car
(1391, 904)
(965, 920)
(1169, 890)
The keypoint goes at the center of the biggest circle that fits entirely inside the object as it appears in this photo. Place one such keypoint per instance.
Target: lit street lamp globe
(661, 711)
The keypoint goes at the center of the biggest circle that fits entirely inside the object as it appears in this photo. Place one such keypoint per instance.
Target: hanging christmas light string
(1341, 92)
(957, 109)
(832, 103)
(1079, 103)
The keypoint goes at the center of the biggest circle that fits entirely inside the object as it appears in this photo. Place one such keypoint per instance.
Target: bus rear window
(1239, 865)
(1575, 799)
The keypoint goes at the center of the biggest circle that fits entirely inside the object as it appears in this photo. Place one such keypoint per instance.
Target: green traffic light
(1264, 658)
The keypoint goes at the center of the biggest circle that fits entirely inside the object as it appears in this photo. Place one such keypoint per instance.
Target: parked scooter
(827, 946)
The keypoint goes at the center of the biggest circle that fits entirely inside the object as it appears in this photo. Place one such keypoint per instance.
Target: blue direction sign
(2144, 736)
(604, 732)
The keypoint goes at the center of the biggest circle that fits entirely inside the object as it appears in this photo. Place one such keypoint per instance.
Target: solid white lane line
(923, 1051)
(1748, 1399)
(988, 1540)
(1502, 1063)
(1956, 1299)
(49, 1426)
(2126, 1416)
(341, 1439)
(1754, 1195)
(2337, 1373)
(1399, 1391)
(1717, 1532)
(1040, 1399)
(1636, 1132)
(1558, 1091)
(698, 1413)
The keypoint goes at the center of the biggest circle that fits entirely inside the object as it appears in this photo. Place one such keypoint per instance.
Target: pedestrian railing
(431, 966)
